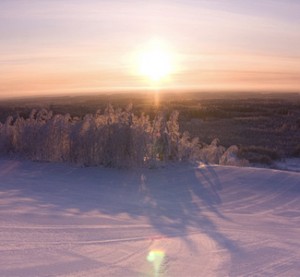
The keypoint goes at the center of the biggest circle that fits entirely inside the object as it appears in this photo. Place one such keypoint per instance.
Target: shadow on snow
(175, 201)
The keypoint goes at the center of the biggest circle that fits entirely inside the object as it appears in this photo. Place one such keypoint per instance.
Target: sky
(61, 46)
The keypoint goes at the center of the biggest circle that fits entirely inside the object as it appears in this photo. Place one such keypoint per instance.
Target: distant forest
(88, 130)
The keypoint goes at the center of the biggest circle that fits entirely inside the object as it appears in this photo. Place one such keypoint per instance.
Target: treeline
(112, 138)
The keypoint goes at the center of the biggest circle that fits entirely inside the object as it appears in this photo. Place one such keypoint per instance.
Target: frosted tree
(188, 148)
(212, 153)
(115, 138)
(7, 136)
(173, 136)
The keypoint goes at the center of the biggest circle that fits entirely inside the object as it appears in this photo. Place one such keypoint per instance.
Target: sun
(155, 61)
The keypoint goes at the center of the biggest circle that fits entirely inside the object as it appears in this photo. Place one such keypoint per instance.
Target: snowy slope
(58, 220)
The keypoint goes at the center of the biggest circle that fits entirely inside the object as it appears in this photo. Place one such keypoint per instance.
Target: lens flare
(156, 257)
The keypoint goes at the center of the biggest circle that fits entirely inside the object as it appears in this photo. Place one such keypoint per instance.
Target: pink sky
(78, 46)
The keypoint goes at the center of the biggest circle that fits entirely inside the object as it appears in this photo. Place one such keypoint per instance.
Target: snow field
(61, 220)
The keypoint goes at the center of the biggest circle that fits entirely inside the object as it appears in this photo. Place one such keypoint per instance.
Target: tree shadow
(175, 201)
(184, 203)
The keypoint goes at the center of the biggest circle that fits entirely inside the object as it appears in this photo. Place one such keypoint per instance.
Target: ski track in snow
(61, 220)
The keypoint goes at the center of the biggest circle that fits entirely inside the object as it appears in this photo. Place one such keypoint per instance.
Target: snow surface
(59, 220)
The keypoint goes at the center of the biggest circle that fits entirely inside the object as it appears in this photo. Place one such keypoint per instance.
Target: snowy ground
(58, 220)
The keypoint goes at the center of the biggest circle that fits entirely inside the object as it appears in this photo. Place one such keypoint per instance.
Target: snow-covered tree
(114, 138)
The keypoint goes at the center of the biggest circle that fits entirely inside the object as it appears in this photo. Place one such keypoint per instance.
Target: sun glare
(155, 61)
